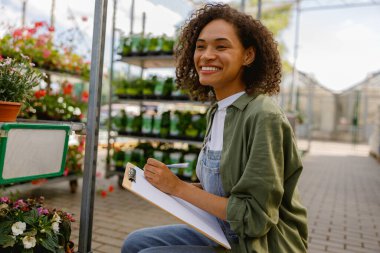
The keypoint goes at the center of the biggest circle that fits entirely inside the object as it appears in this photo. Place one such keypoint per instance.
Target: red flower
(103, 193)
(18, 33)
(1, 58)
(111, 188)
(40, 93)
(39, 24)
(85, 96)
(32, 31)
(68, 89)
(51, 28)
(70, 217)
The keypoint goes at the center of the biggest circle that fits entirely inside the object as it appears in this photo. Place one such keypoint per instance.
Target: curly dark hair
(261, 76)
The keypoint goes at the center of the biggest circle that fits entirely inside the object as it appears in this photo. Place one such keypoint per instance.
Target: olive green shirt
(260, 167)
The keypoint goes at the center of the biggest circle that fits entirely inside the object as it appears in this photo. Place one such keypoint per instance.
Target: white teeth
(210, 68)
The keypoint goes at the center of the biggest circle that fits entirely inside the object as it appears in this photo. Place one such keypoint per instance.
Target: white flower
(29, 242)
(77, 111)
(18, 228)
(55, 227)
(56, 218)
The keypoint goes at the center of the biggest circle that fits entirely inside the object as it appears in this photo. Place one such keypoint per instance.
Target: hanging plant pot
(9, 111)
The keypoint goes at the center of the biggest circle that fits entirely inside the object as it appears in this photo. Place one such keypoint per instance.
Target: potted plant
(18, 77)
(27, 226)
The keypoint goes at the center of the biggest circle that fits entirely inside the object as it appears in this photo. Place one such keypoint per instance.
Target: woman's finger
(151, 169)
(155, 163)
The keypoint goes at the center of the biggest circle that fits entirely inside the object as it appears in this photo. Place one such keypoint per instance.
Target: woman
(249, 165)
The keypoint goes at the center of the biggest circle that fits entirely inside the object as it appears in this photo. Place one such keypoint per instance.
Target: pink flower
(42, 211)
(51, 28)
(18, 33)
(46, 53)
(4, 199)
(19, 203)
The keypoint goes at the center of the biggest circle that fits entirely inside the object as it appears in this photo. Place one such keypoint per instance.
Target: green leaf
(6, 241)
(5, 227)
(50, 243)
(31, 217)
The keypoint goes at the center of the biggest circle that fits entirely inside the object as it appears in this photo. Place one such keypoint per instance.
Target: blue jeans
(168, 239)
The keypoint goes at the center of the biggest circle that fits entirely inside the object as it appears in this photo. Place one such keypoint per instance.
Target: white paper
(202, 221)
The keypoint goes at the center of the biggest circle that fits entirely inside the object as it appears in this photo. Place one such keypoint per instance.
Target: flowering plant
(37, 43)
(74, 158)
(57, 106)
(17, 79)
(26, 226)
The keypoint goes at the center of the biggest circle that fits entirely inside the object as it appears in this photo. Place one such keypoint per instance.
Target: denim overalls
(208, 173)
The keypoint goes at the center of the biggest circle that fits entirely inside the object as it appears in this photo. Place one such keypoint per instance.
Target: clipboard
(195, 217)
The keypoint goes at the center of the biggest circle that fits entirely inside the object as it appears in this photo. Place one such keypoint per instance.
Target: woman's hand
(160, 176)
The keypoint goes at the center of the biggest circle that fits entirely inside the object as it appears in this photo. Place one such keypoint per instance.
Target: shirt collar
(224, 103)
(243, 100)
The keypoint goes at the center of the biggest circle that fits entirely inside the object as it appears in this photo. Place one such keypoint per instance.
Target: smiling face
(220, 57)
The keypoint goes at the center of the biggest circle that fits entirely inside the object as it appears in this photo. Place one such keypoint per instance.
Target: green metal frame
(6, 127)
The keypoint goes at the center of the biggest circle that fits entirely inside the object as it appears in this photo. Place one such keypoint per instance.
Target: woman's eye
(221, 47)
(200, 46)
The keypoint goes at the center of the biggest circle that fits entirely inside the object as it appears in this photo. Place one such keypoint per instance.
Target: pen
(177, 165)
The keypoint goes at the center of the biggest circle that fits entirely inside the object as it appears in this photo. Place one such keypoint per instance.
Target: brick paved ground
(340, 187)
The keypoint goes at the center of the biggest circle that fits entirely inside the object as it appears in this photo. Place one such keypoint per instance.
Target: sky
(338, 47)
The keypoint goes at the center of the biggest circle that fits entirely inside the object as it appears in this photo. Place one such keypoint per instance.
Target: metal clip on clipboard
(132, 174)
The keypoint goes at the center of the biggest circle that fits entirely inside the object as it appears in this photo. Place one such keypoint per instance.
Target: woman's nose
(208, 54)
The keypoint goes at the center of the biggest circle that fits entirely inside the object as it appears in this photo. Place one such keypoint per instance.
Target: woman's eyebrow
(217, 39)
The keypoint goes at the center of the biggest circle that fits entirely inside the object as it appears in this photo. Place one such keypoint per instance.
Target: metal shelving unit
(150, 61)
(144, 62)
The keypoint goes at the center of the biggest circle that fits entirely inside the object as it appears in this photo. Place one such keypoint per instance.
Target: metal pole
(258, 9)
(110, 94)
(291, 103)
(52, 13)
(365, 99)
(242, 5)
(310, 115)
(143, 23)
(132, 16)
(92, 131)
(131, 31)
(23, 13)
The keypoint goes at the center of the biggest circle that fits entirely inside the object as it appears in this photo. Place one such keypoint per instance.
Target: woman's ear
(249, 56)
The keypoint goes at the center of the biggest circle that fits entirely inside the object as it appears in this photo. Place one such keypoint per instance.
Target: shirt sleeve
(253, 206)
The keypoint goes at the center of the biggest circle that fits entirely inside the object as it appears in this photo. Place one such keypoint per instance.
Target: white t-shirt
(215, 142)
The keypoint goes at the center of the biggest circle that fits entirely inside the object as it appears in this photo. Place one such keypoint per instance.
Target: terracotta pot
(9, 111)
(70, 247)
